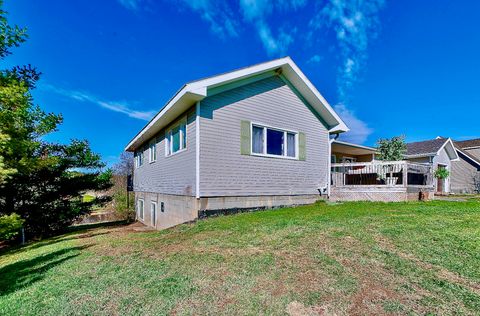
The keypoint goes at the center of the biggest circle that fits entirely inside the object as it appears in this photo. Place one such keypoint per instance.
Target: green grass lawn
(351, 258)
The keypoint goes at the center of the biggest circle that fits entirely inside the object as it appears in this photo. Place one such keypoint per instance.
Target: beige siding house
(465, 177)
(257, 137)
(440, 153)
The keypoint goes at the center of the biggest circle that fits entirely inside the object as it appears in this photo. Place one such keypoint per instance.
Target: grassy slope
(351, 258)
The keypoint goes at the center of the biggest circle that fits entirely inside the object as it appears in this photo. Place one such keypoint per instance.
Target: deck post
(405, 174)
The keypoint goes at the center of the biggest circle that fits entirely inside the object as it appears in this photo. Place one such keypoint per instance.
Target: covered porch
(381, 181)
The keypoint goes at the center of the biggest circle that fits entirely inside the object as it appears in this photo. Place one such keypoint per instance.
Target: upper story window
(139, 158)
(270, 141)
(176, 137)
(152, 152)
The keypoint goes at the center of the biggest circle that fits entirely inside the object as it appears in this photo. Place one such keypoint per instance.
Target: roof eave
(197, 90)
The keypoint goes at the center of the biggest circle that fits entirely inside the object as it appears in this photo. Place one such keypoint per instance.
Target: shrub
(10, 226)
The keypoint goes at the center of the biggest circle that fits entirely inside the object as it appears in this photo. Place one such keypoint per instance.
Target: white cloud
(133, 5)
(120, 107)
(217, 14)
(354, 22)
(315, 59)
(359, 130)
(256, 12)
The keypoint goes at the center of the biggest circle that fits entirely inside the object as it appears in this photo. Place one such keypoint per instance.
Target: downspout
(197, 150)
(329, 173)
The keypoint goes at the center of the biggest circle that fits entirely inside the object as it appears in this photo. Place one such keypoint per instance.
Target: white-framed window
(153, 213)
(140, 208)
(274, 142)
(139, 158)
(152, 152)
(176, 137)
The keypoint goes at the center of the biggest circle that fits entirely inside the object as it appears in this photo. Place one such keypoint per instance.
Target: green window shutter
(245, 137)
(302, 146)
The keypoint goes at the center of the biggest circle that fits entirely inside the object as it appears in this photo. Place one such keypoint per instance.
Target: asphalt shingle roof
(468, 143)
(425, 147)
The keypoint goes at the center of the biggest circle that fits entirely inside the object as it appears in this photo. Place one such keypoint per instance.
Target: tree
(123, 203)
(392, 149)
(49, 179)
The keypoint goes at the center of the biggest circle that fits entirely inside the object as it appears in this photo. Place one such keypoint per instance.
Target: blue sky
(389, 67)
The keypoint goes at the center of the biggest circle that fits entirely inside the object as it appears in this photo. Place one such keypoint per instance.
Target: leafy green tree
(10, 226)
(393, 149)
(49, 179)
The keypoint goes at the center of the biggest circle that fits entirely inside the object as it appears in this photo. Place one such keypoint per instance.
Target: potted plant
(442, 173)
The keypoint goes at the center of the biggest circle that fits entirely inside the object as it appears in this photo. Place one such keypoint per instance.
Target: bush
(123, 210)
(10, 225)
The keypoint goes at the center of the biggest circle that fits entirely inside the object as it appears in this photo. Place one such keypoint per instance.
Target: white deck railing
(382, 173)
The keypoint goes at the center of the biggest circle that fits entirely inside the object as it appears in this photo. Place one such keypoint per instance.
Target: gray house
(465, 176)
(252, 138)
(439, 152)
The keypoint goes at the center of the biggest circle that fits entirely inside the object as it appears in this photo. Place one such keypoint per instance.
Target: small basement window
(268, 141)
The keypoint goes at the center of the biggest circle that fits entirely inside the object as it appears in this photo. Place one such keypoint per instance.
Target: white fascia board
(184, 97)
(354, 145)
(197, 90)
(449, 142)
(420, 155)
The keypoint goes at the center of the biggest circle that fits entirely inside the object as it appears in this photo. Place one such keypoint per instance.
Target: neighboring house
(465, 177)
(251, 138)
(344, 152)
(439, 152)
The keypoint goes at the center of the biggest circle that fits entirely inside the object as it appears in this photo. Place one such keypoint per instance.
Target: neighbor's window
(153, 151)
(274, 142)
(140, 208)
(176, 137)
(139, 158)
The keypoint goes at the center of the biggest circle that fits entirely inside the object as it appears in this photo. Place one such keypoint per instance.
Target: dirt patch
(298, 309)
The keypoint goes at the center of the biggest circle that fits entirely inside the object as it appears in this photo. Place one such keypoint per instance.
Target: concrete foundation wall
(177, 209)
(251, 202)
(180, 209)
(378, 193)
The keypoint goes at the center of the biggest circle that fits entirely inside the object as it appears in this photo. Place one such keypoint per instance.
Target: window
(176, 137)
(274, 142)
(153, 152)
(139, 158)
(140, 208)
(162, 207)
(153, 216)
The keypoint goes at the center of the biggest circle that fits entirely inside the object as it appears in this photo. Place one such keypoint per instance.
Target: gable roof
(466, 144)
(195, 91)
(431, 148)
(467, 156)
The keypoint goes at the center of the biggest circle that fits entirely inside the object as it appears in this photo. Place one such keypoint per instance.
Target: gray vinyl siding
(169, 175)
(475, 152)
(225, 172)
(463, 175)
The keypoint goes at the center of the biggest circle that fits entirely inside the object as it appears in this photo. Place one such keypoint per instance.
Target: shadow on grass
(23, 273)
(71, 233)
